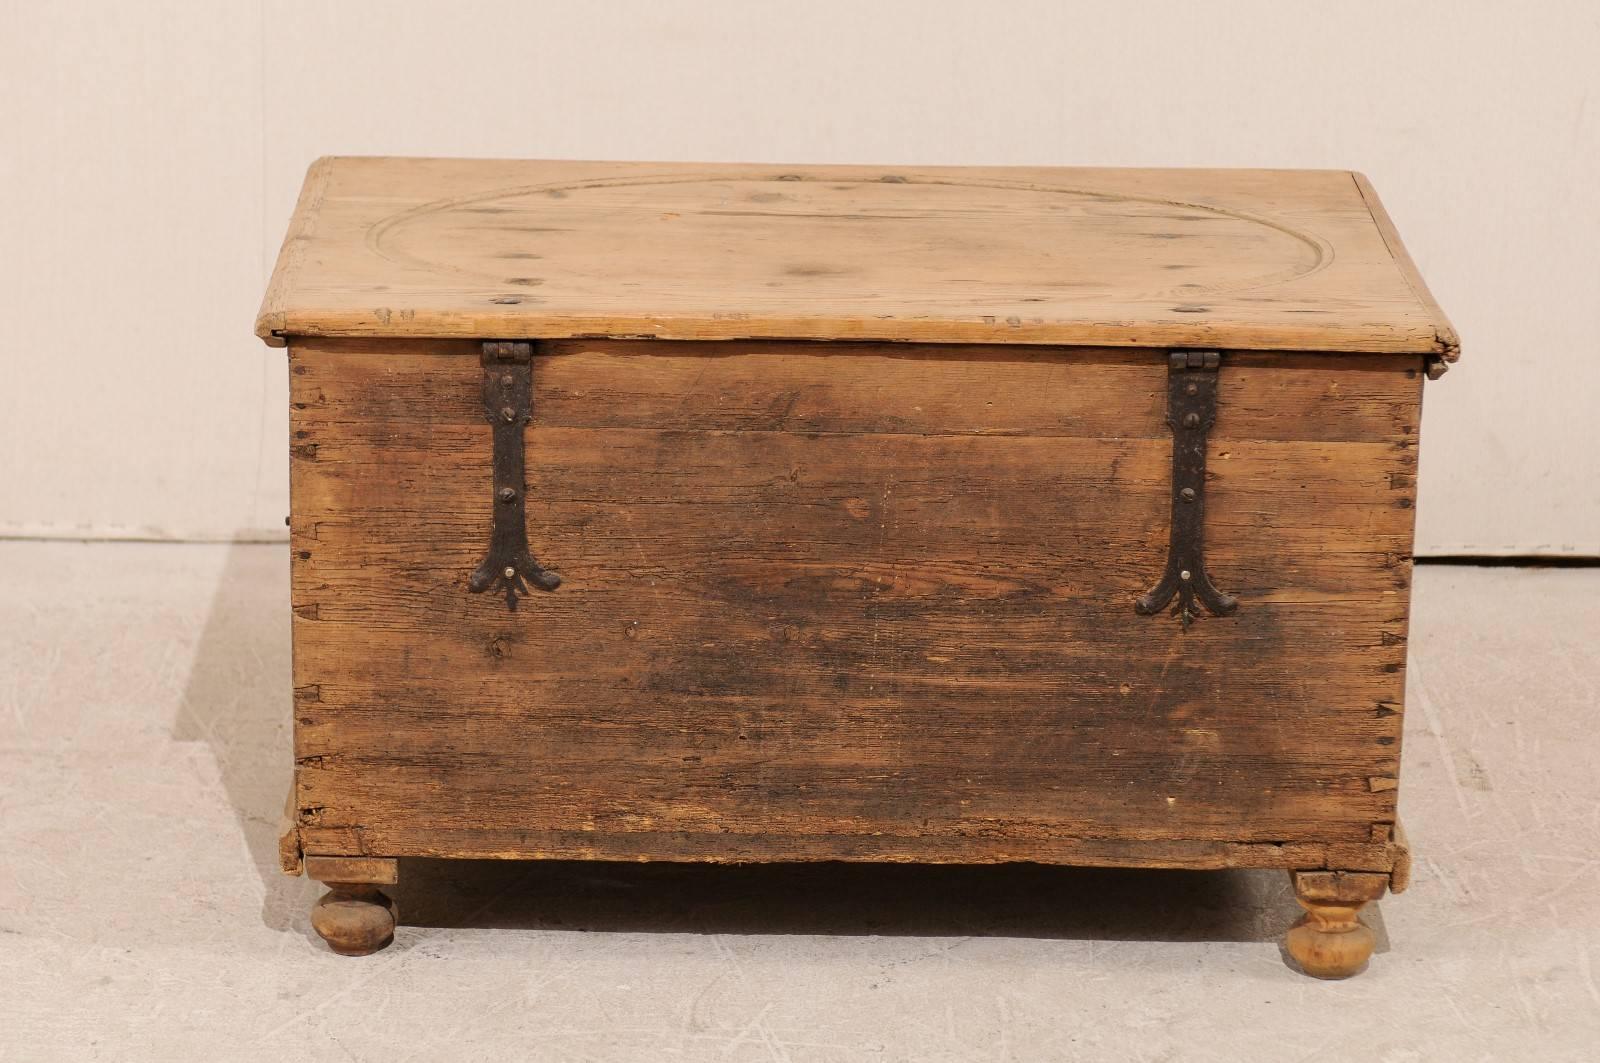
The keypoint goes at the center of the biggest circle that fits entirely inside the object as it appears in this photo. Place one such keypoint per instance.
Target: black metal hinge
(508, 406)
(1191, 411)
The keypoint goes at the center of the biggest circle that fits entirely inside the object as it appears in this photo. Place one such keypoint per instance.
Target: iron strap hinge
(508, 406)
(1191, 411)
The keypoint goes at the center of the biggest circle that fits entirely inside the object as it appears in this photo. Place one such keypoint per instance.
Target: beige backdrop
(150, 154)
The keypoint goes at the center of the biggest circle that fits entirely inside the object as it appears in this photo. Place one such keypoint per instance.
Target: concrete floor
(144, 755)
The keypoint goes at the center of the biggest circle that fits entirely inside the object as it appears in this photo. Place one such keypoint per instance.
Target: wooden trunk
(853, 481)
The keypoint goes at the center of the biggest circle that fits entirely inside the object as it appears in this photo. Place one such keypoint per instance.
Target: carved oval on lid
(785, 237)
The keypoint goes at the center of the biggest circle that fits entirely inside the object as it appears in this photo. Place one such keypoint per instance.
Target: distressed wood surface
(1262, 259)
(866, 603)
(290, 858)
(417, 839)
(1400, 860)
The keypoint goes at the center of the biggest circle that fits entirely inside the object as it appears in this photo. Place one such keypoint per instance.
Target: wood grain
(729, 848)
(1449, 342)
(1247, 259)
(863, 604)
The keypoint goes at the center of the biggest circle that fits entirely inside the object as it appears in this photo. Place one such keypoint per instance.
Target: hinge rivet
(508, 494)
(1187, 494)
(509, 573)
(507, 414)
(1191, 420)
(506, 381)
(1185, 575)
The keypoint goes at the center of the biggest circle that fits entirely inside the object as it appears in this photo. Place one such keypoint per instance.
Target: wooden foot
(355, 917)
(1330, 941)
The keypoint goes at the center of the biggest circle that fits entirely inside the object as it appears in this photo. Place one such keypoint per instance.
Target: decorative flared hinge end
(513, 579)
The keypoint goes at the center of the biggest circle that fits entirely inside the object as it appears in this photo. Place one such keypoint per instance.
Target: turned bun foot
(356, 917)
(355, 920)
(1330, 941)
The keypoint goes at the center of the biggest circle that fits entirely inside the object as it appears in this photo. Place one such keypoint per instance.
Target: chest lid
(486, 249)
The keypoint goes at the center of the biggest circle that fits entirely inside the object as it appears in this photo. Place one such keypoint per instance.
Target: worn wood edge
(370, 870)
(1400, 859)
(1447, 341)
(724, 848)
(468, 346)
(271, 319)
(278, 326)
(290, 857)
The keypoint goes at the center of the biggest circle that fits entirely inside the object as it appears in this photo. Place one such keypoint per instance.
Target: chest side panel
(827, 603)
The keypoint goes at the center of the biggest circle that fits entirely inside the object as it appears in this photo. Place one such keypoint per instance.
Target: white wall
(150, 154)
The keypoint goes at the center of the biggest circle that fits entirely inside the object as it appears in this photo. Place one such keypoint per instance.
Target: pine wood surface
(849, 602)
(495, 249)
